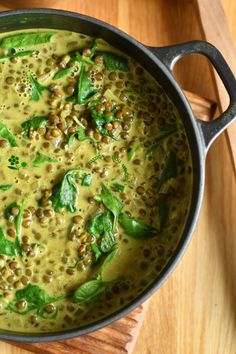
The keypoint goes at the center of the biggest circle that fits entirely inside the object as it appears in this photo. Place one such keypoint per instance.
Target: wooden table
(194, 311)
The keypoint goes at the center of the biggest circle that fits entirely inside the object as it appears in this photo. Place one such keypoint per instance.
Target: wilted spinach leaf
(111, 202)
(118, 187)
(169, 170)
(114, 62)
(9, 248)
(7, 211)
(7, 135)
(41, 158)
(90, 291)
(36, 88)
(5, 187)
(36, 299)
(135, 228)
(26, 39)
(76, 56)
(16, 55)
(62, 73)
(80, 135)
(86, 89)
(34, 124)
(65, 193)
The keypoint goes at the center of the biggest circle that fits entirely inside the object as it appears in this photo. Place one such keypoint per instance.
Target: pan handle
(171, 54)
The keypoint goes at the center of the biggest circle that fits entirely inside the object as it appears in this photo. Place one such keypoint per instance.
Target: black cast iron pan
(159, 62)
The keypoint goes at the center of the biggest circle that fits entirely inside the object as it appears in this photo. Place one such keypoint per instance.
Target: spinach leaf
(26, 39)
(36, 88)
(80, 135)
(62, 73)
(118, 187)
(41, 158)
(5, 187)
(9, 248)
(36, 299)
(100, 119)
(163, 214)
(96, 251)
(131, 153)
(7, 211)
(34, 124)
(76, 56)
(166, 131)
(7, 135)
(107, 260)
(135, 228)
(86, 89)
(114, 62)
(16, 55)
(90, 291)
(87, 180)
(102, 226)
(169, 170)
(111, 202)
(65, 193)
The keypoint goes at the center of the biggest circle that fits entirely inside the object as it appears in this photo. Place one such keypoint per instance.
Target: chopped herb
(5, 187)
(169, 170)
(41, 158)
(126, 173)
(95, 158)
(62, 73)
(116, 159)
(36, 88)
(135, 228)
(16, 55)
(33, 124)
(7, 135)
(111, 202)
(21, 40)
(114, 62)
(131, 153)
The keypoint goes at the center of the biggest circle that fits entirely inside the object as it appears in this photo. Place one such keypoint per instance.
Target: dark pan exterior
(42, 18)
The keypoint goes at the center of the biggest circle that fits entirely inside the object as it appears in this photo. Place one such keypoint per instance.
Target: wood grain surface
(194, 311)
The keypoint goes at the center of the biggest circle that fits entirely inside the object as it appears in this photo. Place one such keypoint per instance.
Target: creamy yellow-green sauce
(95, 180)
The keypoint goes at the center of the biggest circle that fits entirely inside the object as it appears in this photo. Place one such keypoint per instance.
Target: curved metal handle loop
(171, 54)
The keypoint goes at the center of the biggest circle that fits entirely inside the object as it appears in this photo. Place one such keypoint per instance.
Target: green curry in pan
(95, 180)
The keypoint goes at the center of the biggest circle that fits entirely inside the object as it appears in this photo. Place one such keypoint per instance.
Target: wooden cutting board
(194, 311)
